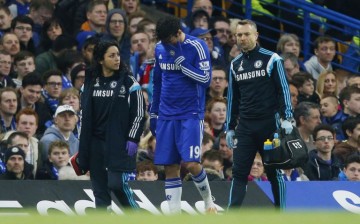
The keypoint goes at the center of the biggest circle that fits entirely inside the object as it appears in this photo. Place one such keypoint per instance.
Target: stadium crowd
(46, 47)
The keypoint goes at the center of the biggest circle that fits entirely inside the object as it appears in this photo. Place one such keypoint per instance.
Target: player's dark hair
(166, 27)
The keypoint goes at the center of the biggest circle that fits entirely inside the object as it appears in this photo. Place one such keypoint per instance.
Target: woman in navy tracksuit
(113, 111)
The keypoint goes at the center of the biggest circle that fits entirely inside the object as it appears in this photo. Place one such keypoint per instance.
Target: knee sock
(202, 184)
(173, 190)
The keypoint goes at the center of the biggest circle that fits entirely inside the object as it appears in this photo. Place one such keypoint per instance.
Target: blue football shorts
(178, 140)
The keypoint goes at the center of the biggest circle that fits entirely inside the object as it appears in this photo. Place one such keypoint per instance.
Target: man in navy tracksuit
(258, 97)
(113, 111)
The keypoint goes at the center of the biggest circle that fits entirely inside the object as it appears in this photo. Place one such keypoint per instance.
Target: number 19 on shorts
(194, 152)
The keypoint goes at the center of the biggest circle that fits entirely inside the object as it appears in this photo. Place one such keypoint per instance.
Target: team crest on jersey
(240, 67)
(258, 64)
(97, 83)
(204, 65)
(113, 84)
(172, 53)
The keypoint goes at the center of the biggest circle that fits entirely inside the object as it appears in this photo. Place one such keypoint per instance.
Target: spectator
(67, 60)
(291, 65)
(257, 170)
(10, 44)
(351, 129)
(353, 80)
(351, 170)
(47, 60)
(27, 122)
(40, 11)
(78, 76)
(221, 25)
(5, 23)
(296, 174)
(147, 147)
(324, 49)
(19, 7)
(207, 142)
(332, 115)
(304, 82)
(140, 44)
(307, 117)
(349, 101)
(116, 29)
(148, 26)
(96, 12)
(30, 95)
(134, 20)
(15, 163)
(235, 49)
(24, 63)
(58, 157)
(204, 5)
(50, 31)
(71, 97)
(130, 6)
(294, 93)
(146, 171)
(20, 139)
(219, 84)
(216, 108)
(216, 52)
(212, 161)
(22, 27)
(323, 164)
(5, 67)
(227, 155)
(88, 48)
(64, 123)
(327, 84)
(289, 43)
(52, 89)
(8, 106)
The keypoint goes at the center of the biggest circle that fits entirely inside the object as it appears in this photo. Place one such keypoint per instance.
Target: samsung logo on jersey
(250, 75)
(169, 66)
(102, 93)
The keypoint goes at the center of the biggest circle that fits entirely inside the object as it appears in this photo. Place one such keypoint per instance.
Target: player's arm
(233, 101)
(157, 82)
(282, 86)
(198, 70)
(137, 111)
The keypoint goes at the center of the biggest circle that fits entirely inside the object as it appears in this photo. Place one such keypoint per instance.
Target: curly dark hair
(99, 51)
(167, 27)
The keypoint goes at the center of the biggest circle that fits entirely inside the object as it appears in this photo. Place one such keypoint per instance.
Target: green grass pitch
(250, 216)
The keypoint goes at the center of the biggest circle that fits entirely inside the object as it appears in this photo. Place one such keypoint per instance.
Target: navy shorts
(178, 140)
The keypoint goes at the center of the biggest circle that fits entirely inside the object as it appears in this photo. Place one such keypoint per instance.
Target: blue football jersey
(182, 73)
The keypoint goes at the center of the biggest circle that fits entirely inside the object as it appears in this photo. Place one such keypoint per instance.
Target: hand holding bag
(291, 153)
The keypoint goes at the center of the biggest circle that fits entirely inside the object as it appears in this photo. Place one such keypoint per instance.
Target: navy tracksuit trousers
(250, 135)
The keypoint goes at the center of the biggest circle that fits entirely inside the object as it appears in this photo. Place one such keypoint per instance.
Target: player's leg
(166, 154)
(173, 188)
(190, 135)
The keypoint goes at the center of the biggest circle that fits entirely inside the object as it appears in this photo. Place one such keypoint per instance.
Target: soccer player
(181, 75)
(259, 95)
